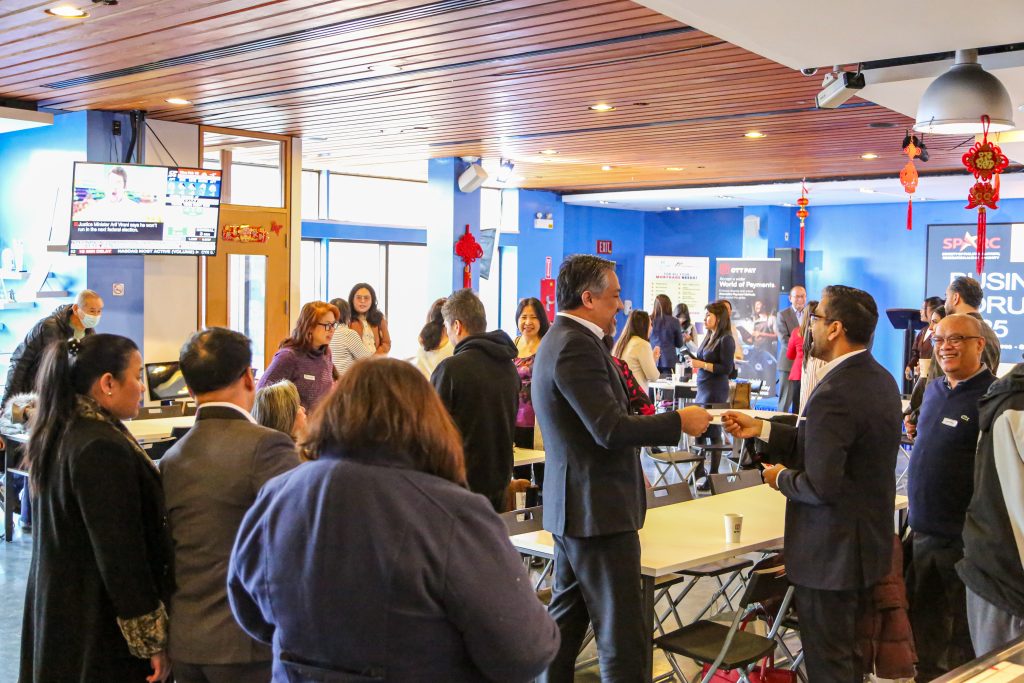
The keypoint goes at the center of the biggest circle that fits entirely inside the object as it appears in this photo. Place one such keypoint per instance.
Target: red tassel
(910, 213)
(982, 224)
(801, 242)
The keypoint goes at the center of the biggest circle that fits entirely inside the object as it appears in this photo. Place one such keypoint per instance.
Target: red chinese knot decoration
(985, 161)
(469, 250)
(802, 214)
(908, 177)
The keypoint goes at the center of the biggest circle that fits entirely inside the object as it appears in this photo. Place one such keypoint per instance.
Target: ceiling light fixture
(384, 68)
(67, 12)
(606, 167)
(549, 152)
(601, 106)
(675, 168)
(725, 196)
(754, 134)
(177, 100)
(869, 155)
(955, 101)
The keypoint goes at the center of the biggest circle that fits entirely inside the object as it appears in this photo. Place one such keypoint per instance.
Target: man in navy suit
(594, 499)
(836, 472)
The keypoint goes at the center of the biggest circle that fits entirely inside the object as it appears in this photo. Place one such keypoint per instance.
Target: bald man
(789, 321)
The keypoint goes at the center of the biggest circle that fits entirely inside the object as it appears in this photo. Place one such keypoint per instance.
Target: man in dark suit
(789, 322)
(211, 477)
(837, 473)
(594, 500)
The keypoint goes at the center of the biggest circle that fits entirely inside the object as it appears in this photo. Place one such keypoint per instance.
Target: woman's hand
(161, 664)
(657, 352)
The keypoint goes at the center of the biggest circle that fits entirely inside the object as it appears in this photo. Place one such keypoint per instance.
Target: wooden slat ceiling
(491, 78)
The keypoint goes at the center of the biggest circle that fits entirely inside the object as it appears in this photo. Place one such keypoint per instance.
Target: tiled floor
(14, 561)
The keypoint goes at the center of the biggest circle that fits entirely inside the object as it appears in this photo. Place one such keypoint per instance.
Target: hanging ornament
(802, 214)
(985, 161)
(469, 250)
(908, 175)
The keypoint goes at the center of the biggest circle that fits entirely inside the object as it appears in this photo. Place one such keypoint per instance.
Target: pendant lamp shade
(955, 101)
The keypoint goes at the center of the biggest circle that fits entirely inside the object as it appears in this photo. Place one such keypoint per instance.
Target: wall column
(449, 211)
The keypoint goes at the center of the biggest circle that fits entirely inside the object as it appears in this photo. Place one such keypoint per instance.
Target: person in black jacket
(70, 320)
(479, 385)
(836, 472)
(101, 571)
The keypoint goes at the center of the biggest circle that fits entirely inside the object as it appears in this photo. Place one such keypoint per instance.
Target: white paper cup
(733, 527)
(923, 366)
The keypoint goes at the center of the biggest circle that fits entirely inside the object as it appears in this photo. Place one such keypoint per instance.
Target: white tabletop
(526, 456)
(690, 534)
(670, 384)
(157, 428)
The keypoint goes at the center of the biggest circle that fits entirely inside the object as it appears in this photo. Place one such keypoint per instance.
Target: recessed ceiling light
(549, 152)
(754, 134)
(603, 201)
(601, 106)
(384, 68)
(67, 12)
(788, 205)
(177, 100)
(606, 167)
(868, 190)
(675, 168)
(869, 155)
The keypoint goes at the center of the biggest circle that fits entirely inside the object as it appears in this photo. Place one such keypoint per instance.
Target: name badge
(311, 378)
(949, 422)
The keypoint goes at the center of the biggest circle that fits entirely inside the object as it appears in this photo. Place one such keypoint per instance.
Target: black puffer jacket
(25, 360)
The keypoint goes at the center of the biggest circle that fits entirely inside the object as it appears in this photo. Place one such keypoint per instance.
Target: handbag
(763, 673)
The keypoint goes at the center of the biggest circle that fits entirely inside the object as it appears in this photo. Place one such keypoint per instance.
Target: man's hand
(741, 426)
(161, 664)
(657, 352)
(910, 426)
(695, 420)
(771, 475)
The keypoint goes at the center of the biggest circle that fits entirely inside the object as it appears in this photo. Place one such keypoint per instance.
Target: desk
(157, 429)
(690, 534)
(526, 456)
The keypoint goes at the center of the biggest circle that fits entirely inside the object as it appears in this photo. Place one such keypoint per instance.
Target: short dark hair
(466, 307)
(538, 310)
(855, 309)
(344, 312)
(969, 290)
(581, 273)
(933, 302)
(214, 358)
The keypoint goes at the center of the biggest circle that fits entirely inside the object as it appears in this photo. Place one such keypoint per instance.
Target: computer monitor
(164, 382)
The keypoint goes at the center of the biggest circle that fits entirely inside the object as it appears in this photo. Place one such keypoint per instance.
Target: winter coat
(21, 375)
(883, 627)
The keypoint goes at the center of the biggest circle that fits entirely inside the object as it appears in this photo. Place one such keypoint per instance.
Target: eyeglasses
(327, 326)
(952, 340)
(815, 317)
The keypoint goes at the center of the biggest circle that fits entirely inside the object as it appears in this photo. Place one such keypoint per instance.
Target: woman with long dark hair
(101, 563)
(634, 348)
(714, 362)
(533, 324)
(434, 344)
(682, 314)
(666, 334)
(367, 320)
(422, 584)
(304, 358)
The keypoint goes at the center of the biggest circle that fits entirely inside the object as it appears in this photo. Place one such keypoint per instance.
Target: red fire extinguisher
(547, 291)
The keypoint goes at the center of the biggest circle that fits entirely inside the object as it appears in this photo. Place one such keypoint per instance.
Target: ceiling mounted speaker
(472, 178)
(955, 101)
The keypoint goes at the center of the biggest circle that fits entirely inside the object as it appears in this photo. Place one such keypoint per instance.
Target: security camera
(808, 71)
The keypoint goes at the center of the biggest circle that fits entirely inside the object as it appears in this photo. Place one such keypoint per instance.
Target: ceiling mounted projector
(472, 178)
(955, 101)
(839, 87)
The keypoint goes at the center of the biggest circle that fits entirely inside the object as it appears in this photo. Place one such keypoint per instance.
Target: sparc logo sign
(966, 247)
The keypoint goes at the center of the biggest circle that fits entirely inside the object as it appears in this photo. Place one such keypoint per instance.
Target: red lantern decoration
(469, 250)
(985, 161)
(802, 214)
(909, 177)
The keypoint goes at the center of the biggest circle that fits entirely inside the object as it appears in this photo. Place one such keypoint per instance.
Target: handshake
(695, 422)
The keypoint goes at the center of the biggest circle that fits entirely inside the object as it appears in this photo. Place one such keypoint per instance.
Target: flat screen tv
(165, 382)
(136, 209)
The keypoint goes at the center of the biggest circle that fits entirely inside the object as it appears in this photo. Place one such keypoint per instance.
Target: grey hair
(581, 273)
(466, 307)
(85, 295)
(276, 406)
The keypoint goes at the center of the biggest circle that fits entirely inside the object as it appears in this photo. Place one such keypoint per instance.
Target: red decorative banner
(244, 233)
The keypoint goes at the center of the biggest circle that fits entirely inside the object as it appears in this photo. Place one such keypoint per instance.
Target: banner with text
(684, 279)
(752, 287)
(952, 250)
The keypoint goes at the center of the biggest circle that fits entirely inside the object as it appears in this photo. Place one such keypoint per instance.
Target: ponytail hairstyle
(69, 368)
(430, 335)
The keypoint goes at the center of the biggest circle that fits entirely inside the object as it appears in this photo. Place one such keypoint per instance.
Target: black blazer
(593, 484)
(840, 484)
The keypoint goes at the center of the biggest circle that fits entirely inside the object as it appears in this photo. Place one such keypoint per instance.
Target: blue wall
(534, 246)
(32, 164)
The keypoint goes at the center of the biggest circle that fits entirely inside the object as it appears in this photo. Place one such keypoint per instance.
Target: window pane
(407, 297)
(311, 194)
(352, 262)
(256, 178)
(255, 185)
(311, 271)
(247, 313)
(490, 292)
(377, 201)
(509, 288)
(490, 208)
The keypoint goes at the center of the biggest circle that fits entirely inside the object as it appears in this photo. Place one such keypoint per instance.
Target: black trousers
(259, 672)
(597, 580)
(828, 632)
(938, 606)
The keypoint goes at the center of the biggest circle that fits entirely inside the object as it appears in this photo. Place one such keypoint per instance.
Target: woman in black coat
(101, 562)
(714, 363)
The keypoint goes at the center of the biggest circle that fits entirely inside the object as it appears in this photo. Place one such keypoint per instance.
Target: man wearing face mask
(70, 320)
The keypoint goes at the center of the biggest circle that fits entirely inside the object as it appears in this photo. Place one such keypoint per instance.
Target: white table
(157, 429)
(690, 534)
(526, 456)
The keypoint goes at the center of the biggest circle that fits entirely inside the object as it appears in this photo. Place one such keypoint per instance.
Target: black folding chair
(734, 481)
(522, 522)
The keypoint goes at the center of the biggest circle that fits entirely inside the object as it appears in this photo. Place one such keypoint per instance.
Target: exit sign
(604, 246)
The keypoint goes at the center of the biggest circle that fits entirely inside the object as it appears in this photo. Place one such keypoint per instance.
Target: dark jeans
(221, 673)
(597, 579)
(938, 606)
(828, 632)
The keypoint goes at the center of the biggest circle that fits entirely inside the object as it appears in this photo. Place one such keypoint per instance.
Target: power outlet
(116, 129)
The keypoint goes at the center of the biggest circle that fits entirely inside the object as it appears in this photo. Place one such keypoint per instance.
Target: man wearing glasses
(941, 481)
(837, 475)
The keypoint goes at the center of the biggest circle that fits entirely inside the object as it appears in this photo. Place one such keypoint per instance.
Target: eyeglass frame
(327, 326)
(814, 316)
(959, 339)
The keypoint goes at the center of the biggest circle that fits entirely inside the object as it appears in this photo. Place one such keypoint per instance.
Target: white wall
(171, 282)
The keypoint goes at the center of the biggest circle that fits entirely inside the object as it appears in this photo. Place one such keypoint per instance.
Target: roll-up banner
(752, 287)
(952, 250)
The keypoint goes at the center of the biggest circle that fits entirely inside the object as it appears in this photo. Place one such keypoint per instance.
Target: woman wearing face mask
(101, 566)
(305, 357)
(367, 320)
